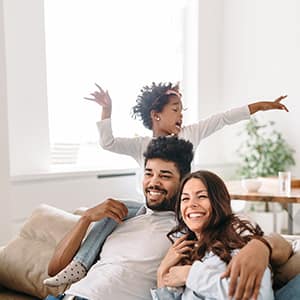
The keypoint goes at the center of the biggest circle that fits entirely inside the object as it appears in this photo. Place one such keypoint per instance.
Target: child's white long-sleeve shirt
(136, 146)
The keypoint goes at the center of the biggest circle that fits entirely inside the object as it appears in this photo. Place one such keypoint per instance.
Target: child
(210, 235)
(159, 107)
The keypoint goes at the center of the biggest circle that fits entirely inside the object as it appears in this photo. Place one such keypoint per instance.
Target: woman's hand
(176, 276)
(103, 99)
(176, 252)
(267, 105)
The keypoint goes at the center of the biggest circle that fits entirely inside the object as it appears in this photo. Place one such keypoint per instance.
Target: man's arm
(281, 249)
(68, 246)
(246, 269)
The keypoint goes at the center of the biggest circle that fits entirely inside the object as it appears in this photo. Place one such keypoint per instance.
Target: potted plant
(263, 153)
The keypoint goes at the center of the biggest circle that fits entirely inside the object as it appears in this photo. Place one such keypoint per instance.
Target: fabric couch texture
(24, 260)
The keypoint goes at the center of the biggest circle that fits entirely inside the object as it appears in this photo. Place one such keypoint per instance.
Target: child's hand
(101, 97)
(268, 105)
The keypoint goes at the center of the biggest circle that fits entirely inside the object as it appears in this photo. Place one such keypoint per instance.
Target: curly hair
(170, 148)
(224, 231)
(152, 97)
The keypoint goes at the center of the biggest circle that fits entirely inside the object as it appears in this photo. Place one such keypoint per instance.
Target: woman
(210, 234)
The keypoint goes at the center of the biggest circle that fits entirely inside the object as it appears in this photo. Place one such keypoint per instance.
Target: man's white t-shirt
(129, 260)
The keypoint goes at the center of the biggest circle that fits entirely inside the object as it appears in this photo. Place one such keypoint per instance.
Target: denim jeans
(61, 296)
(291, 291)
(166, 293)
(89, 250)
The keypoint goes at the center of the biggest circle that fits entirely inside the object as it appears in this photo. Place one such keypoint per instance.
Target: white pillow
(24, 261)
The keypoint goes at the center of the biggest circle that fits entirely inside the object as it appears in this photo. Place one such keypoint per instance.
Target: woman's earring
(157, 118)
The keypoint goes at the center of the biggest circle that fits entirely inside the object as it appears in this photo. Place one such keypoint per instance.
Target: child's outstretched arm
(132, 146)
(103, 99)
(267, 105)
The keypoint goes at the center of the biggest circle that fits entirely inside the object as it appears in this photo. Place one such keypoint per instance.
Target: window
(121, 45)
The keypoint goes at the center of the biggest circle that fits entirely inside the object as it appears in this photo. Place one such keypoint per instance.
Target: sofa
(24, 260)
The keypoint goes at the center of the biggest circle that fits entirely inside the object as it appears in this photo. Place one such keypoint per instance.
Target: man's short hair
(170, 148)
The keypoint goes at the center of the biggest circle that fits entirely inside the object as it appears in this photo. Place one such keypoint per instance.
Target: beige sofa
(23, 261)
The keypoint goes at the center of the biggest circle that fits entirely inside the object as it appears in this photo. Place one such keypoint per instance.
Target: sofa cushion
(24, 260)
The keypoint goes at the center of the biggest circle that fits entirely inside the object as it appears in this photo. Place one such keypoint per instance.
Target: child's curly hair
(152, 97)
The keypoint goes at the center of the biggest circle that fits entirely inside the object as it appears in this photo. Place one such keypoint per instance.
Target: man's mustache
(156, 188)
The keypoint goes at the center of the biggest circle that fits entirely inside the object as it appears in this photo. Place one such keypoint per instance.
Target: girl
(212, 234)
(159, 107)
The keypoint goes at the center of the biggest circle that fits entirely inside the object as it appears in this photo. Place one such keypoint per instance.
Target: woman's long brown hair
(224, 231)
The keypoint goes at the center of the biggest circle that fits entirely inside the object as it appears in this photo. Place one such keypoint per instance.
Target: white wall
(24, 120)
(5, 212)
(261, 60)
(209, 66)
(26, 86)
(251, 52)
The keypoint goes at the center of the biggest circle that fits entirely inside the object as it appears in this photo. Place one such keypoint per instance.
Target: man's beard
(164, 205)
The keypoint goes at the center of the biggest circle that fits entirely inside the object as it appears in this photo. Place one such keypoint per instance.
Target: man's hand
(103, 99)
(177, 276)
(268, 105)
(246, 270)
(110, 208)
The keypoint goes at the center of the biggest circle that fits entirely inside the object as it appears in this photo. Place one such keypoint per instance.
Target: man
(131, 254)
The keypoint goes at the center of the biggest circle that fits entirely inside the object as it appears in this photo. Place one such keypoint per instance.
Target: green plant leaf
(263, 152)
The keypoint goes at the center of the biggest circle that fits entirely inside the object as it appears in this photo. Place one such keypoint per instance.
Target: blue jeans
(89, 251)
(166, 293)
(291, 291)
(61, 296)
